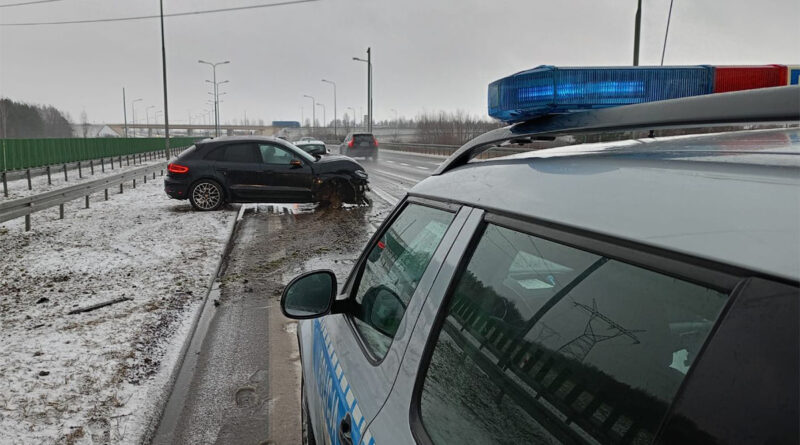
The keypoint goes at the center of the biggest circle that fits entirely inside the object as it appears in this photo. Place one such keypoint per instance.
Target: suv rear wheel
(206, 195)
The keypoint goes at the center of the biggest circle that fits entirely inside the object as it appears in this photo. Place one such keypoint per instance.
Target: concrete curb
(161, 404)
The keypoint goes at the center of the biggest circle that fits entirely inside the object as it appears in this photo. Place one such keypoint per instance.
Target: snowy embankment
(99, 376)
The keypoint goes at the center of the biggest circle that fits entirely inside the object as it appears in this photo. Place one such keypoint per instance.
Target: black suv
(261, 169)
(360, 144)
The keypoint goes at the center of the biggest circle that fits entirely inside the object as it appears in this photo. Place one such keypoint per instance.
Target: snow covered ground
(18, 188)
(99, 376)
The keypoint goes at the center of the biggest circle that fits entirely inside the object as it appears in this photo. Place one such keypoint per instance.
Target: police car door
(356, 354)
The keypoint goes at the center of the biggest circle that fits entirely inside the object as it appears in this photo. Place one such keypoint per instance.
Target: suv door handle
(345, 430)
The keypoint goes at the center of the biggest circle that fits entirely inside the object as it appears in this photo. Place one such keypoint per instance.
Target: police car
(630, 292)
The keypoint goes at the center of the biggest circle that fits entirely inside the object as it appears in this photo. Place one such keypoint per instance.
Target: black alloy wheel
(206, 195)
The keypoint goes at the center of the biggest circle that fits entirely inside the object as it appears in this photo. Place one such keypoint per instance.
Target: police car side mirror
(309, 295)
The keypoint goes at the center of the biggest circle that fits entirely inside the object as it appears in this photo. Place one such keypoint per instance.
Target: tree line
(21, 120)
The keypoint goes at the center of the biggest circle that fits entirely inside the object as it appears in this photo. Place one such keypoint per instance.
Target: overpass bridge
(154, 130)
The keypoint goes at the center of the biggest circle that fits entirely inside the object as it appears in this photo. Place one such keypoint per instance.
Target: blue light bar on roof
(548, 89)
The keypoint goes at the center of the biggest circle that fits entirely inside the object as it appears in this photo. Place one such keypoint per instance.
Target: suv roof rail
(764, 105)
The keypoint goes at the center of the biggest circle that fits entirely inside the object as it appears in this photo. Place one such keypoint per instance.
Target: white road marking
(384, 196)
(391, 162)
(403, 163)
(402, 178)
(422, 168)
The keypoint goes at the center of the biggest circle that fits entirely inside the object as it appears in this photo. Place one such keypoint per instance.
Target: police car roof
(733, 198)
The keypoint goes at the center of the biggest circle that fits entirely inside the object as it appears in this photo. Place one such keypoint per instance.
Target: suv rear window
(544, 343)
(357, 138)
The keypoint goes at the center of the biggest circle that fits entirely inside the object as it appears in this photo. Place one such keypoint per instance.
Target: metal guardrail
(32, 204)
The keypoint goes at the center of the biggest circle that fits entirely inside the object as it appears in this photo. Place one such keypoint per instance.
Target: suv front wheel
(206, 195)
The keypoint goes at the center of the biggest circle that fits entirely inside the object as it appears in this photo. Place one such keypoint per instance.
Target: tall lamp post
(133, 114)
(216, 96)
(335, 132)
(368, 61)
(313, 112)
(636, 33)
(124, 112)
(164, 73)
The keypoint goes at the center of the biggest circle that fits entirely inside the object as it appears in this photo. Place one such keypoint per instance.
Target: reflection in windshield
(594, 351)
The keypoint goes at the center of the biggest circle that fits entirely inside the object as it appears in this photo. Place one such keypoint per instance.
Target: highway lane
(395, 172)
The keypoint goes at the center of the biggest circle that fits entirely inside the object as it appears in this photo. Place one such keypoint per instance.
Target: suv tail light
(176, 168)
(376, 141)
(350, 144)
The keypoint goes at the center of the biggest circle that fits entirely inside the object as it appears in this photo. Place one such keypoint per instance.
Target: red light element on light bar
(175, 168)
(381, 245)
(376, 142)
(735, 78)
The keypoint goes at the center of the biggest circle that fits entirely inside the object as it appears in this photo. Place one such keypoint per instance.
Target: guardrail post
(28, 222)
(154, 176)
(91, 165)
(162, 172)
(134, 183)
(145, 179)
(5, 185)
(28, 175)
(120, 189)
(80, 170)
(106, 194)
(65, 173)
(120, 161)
(49, 180)
(102, 166)
(127, 160)
(87, 201)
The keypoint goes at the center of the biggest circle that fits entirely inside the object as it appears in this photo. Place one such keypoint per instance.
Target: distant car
(360, 145)
(313, 147)
(261, 169)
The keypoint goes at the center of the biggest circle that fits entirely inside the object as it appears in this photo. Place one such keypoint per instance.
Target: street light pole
(369, 87)
(637, 33)
(313, 112)
(124, 112)
(216, 96)
(133, 113)
(335, 126)
(164, 65)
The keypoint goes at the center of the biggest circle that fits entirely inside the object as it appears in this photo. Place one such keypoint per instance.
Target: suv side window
(392, 271)
(272, 154)
(243, 153)
(544, 343)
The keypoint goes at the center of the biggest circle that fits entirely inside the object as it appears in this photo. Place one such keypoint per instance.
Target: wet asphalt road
(241, 380)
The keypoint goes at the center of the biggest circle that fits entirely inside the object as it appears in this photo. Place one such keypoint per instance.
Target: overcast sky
(427, 54)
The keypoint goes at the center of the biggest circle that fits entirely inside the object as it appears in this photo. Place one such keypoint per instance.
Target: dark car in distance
(313, 147)
(360, 145)
(261, 169)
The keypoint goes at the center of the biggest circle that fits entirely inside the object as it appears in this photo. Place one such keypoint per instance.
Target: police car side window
(544, 343)
(392, 271)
